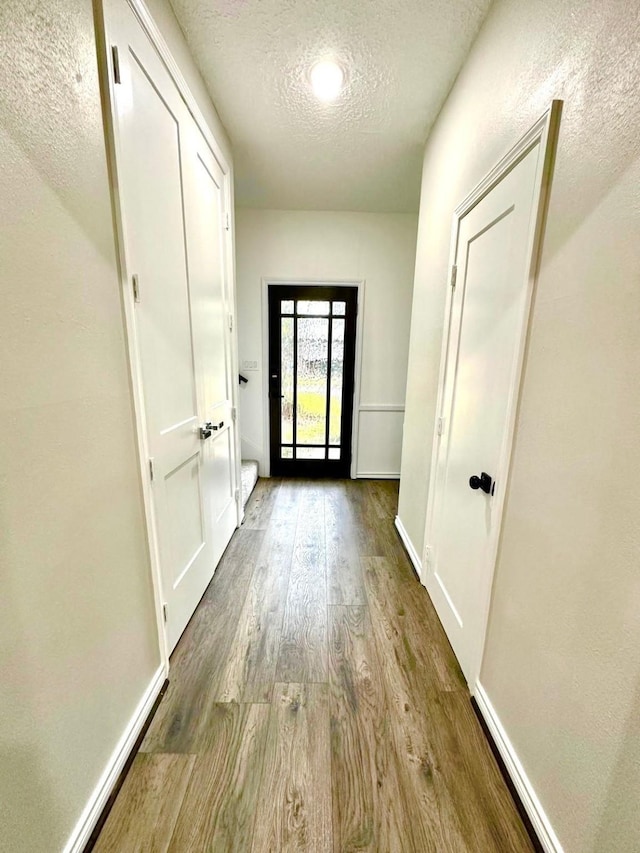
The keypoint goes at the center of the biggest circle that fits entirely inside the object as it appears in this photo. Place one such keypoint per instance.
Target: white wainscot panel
(380, 440)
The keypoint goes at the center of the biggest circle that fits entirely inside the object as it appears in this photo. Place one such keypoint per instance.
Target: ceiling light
(327, 79)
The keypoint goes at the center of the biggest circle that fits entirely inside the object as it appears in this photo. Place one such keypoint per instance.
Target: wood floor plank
(219, 806)
(144, 814)
(374, 516)
(469, 813)
(405, 607)
(345, 584)
(369, 527)
(472, 778)
(249, 674)
(368, 800)
(261, 503)
(303, 645)
(294, 809)
(287, 502)
(199, 662)
(386, 492)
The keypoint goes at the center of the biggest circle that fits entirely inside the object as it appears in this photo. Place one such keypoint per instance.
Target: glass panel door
(311, 377)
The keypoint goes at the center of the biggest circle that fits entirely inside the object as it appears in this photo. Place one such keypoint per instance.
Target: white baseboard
(101, 792)
(523, 786)
(408, 544)
(377, 475)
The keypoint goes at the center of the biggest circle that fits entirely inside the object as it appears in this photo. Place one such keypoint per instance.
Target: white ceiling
(364, 151)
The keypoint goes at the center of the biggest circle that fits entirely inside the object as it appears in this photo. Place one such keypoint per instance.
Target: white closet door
(212, 311)
(486, 325)
(179, 339)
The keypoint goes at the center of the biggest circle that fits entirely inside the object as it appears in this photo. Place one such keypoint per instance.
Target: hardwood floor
(314, 702)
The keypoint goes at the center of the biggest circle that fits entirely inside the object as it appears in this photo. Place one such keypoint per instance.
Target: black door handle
(205, 432)
(483, 482)
(274, 386)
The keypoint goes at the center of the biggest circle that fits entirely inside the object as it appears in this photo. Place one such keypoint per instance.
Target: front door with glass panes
(312, 344)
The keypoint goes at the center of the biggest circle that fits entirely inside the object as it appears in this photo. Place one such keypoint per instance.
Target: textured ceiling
(364, 151)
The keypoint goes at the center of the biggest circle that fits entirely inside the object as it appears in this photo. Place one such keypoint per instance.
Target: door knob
(483, 482)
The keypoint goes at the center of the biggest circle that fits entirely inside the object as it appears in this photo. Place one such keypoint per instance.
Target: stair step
(249, 477)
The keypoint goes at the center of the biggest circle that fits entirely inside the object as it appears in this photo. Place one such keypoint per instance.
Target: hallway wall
(562, 659)
(77, 623)
(319, 245)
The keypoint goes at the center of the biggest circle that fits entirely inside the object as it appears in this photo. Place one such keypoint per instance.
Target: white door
(172, 235)
(487, 317)
(212, 326)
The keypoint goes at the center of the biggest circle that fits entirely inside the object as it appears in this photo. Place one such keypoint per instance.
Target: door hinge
(454, 275)
(441, 425)
(164, 612)
(227, 222)
(428, 555)
(234, 413)
(151, 472)
(136, 287)
(231, 322)
(237, 494)
(115, 58)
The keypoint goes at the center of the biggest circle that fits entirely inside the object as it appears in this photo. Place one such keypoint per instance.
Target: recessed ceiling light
(327, 79)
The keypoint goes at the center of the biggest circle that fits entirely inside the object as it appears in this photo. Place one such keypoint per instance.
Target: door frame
(359, 284)
(544, 133)
(112, 143)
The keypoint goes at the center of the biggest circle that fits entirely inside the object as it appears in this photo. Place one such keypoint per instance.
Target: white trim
(304, 282)
(408, 544)
(377, 475)
(101, 792)
(543, 133)
(381, 407)
(522, 783)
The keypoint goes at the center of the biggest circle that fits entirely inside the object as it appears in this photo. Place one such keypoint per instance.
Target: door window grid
(287, 308)
(293, 311)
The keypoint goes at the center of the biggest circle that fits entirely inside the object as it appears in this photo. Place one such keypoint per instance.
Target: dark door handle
(216, 427)
(274, 386)
(483, 482)
(205, 432)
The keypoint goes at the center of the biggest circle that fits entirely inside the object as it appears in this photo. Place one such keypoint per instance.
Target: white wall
(77, 624)
(377, 248)
(562, 660)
